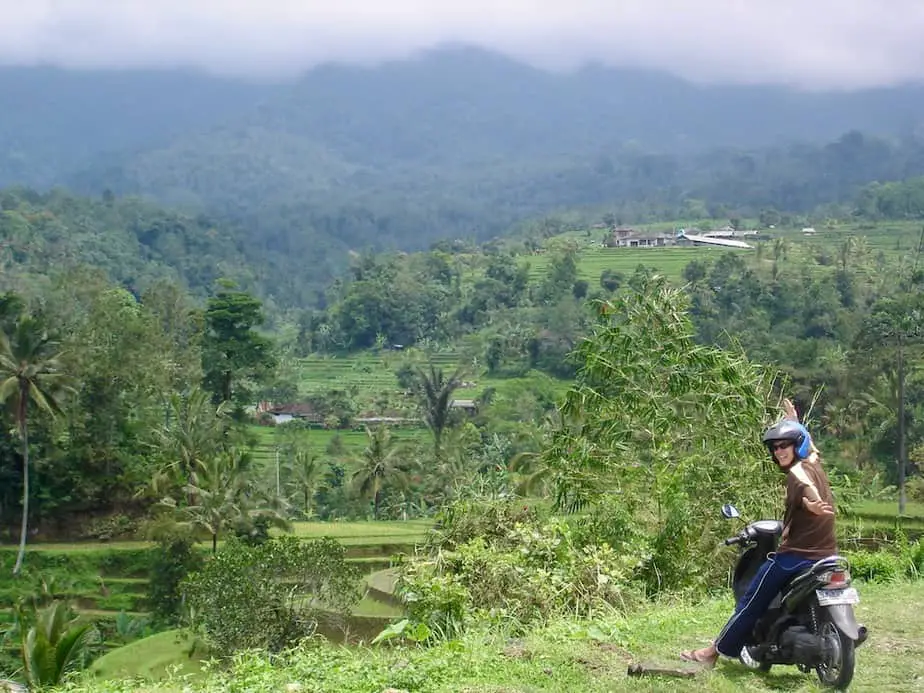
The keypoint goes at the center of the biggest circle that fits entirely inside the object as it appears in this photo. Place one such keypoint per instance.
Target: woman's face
(784, 453)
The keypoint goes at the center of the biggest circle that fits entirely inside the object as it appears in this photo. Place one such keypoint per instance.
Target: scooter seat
(821, 566)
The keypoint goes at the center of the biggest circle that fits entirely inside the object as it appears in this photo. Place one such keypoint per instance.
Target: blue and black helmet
(787, 429)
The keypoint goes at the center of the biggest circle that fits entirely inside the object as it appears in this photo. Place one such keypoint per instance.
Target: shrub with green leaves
(519, 573)
(461, 521)
(670, 426)
(174, 558)
(875, 566)
(271, 595)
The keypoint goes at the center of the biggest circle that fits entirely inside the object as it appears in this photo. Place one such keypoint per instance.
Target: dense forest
(147, 324)
(293, 268)
(455, 143)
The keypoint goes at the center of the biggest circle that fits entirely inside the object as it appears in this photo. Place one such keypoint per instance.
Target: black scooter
(811, 623)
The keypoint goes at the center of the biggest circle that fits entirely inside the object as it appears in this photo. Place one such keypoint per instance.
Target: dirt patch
(604, 658)
(516, 649)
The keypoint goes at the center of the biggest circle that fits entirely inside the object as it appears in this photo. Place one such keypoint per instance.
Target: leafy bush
(915, 555)
(460, 522)
(875, 566)
(914, 488)
(611, 521)
(175, 558)
(670, 426)
(112, 527)
(270, 595)
(517, 572)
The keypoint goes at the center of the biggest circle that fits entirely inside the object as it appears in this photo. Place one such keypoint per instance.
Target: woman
(808, 534)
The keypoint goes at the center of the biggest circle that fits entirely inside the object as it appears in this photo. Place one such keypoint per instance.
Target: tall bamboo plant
(671, 426)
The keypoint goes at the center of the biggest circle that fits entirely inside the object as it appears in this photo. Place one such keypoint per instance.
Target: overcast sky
(811, 43)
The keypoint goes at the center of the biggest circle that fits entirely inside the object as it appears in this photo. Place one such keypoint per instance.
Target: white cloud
(813, 43)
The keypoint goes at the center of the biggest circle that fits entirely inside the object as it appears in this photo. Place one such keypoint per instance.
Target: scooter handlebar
(732, 540)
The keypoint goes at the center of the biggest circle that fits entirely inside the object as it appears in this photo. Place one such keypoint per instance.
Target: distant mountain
(450, 106)
(470, 105)
(455, 142)
(55, 122)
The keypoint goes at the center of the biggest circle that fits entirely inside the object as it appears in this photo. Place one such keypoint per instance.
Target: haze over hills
(453, 106)
(455, 142)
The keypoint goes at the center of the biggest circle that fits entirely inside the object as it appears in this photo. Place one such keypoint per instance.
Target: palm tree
(436, 391)
(305, 470)
(194, 431)
(53, 643)
(30, 371)
(224, 495)
(378, 462)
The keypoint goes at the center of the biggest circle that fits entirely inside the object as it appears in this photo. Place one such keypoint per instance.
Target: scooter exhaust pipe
(863, 634)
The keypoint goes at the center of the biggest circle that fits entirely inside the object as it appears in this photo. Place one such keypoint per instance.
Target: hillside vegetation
(454, 143)
(564, 655)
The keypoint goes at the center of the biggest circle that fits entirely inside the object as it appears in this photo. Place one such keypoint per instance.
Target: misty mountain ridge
(457, 142)
(454, 105)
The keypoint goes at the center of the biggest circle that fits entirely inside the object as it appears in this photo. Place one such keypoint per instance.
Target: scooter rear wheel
(836, 671)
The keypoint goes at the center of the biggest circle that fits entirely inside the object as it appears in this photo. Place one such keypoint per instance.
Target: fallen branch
(653, 670)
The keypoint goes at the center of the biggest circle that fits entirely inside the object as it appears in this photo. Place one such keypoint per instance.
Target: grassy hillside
(895, 240)
(102, 579)
(564, 656)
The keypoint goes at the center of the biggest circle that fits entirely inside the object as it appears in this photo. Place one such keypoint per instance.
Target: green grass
(319, 374)
(889, 509)
(319, 439)
(669, 261)
(150, 658)
(873, 519)
(410, 530)
(379, 533)
(565, 656)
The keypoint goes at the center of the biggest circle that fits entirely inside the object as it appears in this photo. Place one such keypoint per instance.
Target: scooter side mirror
(730, 511)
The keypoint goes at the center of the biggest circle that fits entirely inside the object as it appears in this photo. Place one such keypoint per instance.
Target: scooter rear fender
(843, 617)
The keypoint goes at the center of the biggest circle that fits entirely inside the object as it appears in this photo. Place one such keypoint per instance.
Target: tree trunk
(901, 429)
(214, 543)
(24, 430)
(226, 386)
(375, 505)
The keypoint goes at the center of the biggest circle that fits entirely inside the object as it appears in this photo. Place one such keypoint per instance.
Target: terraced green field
(102, 579)
(365, 372)
(668, 261)
(894, 240)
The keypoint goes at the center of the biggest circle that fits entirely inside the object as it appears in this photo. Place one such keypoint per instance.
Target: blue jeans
(770, 578)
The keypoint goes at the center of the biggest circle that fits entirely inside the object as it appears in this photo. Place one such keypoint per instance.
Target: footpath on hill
(570, 655)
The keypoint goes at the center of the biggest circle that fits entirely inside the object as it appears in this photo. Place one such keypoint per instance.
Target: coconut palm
(436, 399)
(223, 496)
(30, 372)
(378, 463)
(305, 471)
(194, 432)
